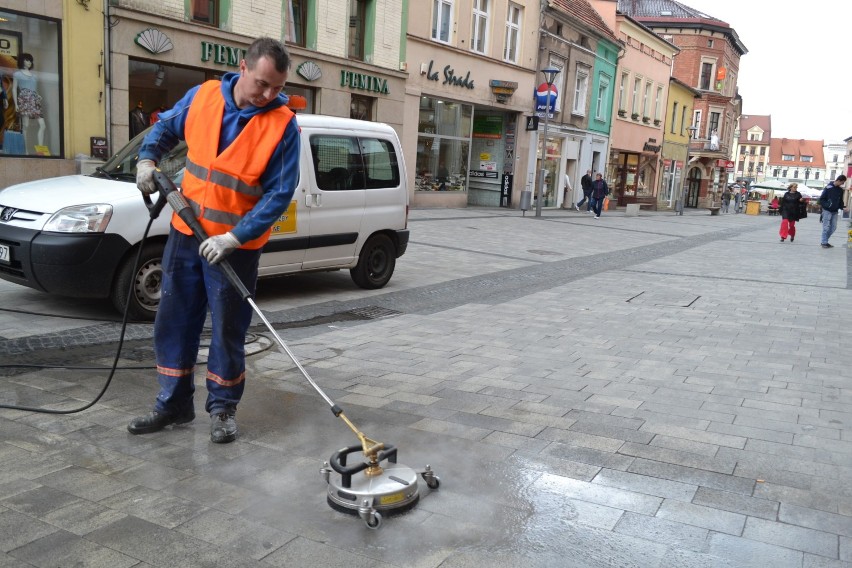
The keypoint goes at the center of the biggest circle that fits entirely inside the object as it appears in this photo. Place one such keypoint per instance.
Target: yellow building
(53, 76)
(675, 151)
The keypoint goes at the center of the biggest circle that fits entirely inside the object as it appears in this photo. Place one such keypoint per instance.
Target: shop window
(357, 17)
(30, 76)
(204, 12)
(443, 145)
(296, 19)
(361, 107)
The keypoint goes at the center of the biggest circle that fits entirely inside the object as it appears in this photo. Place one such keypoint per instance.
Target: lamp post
(549, 76)
(692, 130)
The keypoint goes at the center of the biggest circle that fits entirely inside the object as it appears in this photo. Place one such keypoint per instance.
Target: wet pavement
(652, 391)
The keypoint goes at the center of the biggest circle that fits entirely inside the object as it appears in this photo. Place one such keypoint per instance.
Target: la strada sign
(448, 73)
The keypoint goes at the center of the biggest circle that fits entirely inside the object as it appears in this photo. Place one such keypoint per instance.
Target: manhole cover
(667, 298)
(373, 312)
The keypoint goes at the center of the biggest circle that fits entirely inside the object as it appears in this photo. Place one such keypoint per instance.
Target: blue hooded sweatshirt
(281, 175)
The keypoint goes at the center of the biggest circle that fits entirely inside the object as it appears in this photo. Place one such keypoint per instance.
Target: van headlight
(80, 219)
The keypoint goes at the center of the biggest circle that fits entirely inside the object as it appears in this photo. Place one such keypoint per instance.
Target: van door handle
(313, 200)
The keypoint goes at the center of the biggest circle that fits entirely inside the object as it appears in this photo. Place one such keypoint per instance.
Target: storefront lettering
(364, 82)
(450, 77)
(651, 148)
(222, 54)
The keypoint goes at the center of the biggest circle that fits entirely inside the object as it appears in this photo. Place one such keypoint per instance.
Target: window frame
(581, 90)
(480, 25)
(512, 38)
(441, 9)
(603, 95)
(212, 18)
(296, 22)
(622, 88)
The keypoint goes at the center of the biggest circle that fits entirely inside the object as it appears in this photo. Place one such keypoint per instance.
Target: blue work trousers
(191, 285)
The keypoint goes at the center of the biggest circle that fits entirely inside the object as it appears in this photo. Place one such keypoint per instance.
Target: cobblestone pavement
(657, 391)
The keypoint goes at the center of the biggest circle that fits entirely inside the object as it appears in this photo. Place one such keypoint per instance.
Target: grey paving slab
(678, 421)
(66, 549)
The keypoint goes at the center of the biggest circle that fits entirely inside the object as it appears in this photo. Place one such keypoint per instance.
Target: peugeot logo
(7, 213)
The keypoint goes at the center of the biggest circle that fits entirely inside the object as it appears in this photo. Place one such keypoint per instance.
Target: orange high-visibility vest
(222, 188)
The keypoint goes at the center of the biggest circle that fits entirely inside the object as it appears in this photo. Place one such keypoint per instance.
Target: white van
(78, 235)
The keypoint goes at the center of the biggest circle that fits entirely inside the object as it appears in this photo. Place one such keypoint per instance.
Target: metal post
(549, 76)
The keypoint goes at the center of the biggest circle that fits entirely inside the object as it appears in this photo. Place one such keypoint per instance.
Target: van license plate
(4, 254)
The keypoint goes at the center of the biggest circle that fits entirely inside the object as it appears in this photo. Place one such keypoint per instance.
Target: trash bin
(753, 208)
(526, 199)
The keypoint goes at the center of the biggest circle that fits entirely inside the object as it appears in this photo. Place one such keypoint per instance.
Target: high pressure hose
(154, 213)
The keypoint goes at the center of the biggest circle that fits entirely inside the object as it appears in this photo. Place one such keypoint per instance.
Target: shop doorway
(158, 87)
(693, 187)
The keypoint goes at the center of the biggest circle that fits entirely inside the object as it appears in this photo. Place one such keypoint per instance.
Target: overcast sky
(796, 68)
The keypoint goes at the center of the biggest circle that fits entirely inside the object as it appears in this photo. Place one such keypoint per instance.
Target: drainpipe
(107, 63)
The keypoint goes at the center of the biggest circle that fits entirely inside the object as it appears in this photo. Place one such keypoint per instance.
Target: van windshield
(122, 165)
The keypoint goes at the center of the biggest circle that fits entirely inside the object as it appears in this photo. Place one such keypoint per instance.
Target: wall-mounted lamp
(159, 76)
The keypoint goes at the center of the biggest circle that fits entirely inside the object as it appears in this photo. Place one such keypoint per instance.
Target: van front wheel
(375, 263)
(147, 279)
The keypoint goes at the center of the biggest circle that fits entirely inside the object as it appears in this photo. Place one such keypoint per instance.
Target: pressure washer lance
(373, 499)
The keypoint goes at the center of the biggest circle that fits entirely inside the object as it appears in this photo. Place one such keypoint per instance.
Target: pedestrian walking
(831, 201)
(791, 211)
(568, 196)
(242, 169)
(726, 199)
(586, 185)
(599, 192)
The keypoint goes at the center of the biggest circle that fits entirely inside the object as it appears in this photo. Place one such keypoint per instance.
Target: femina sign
(364, 82)
(222, 54)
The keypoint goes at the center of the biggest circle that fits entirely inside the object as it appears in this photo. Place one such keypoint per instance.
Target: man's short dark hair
(271, 48)
(841, 178)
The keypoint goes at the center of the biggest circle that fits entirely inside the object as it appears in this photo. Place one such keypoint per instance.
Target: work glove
(145, 176)
(214, 249)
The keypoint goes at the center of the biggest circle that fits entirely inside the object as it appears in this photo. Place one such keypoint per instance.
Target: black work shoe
(155, 421)
(223, 428)
(792, 238)
(827, 246)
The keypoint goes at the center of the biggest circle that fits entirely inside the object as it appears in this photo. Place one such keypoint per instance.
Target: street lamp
(692, 130)
(549, 76)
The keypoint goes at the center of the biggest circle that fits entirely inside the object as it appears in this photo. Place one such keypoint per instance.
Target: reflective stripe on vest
(223, 188)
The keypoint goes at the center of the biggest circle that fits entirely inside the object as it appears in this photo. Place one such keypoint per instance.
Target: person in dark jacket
(599, 191)
(790, 211)
(586, 184)
(831, 202)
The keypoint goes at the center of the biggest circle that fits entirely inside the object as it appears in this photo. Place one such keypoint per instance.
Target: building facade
(673, 187)
(796, 161)
(575, 40)
(751, 148)
(469, 88)
(634, 165)
(349, 67)
(708, 60)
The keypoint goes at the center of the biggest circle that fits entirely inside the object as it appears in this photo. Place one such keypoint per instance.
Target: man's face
(258, 86)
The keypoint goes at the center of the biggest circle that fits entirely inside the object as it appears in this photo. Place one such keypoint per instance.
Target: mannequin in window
(28, 102)
(714, 140)
(138, 120)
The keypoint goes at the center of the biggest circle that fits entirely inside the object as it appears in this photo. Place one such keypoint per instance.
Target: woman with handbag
(790, 212)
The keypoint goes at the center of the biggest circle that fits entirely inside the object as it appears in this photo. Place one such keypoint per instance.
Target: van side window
(347, 163)
(380, 163)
